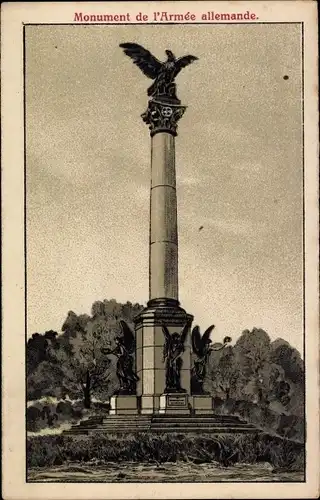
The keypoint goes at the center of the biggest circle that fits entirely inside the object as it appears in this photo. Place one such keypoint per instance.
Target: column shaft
(163, 258)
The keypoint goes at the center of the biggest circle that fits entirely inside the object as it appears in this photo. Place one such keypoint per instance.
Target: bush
(49, 413)
(288, 426)
(65, 408)
(226, 449)
(33, 418)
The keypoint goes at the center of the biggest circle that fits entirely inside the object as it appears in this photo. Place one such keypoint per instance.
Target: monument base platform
(174, 403)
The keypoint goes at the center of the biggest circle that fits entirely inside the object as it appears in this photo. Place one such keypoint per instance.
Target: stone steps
(124, 427)
(197, 425)
(204, 430)
(211, 424)
(123, 419)
(99, 430)
(197, 415)
(197, 420)
(178, 428)
(160, 430)
(161, 420)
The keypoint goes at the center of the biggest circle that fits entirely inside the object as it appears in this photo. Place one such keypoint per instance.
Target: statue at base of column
(125, 346)
(202, 346)
(172, 352)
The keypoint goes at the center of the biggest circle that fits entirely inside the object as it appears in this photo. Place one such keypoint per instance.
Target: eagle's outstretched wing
(182, 62)
(127, 336)
(148, 64)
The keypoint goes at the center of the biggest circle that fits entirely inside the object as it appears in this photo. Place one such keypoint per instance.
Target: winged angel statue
(163, 73)
(202, 346)
(124, 350)
(172, 351)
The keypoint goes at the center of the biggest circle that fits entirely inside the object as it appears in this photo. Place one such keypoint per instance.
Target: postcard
(160, 250)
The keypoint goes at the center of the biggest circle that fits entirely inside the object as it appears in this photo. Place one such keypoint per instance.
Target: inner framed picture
(166, 233)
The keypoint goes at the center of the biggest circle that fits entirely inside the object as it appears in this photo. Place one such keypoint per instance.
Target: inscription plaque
(177, 400)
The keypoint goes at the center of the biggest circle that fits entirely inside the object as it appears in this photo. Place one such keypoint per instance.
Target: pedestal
(123, 405)
(174, 403)
(150, 340)
(202, 405)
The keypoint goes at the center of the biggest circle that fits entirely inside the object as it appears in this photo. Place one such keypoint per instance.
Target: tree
(228, 376)
(74, 324)
(85, 368)
(223, 373)
(228, 372)
(46, 380)
(289, 359)
(112, 310)
(38, 347)
(252, 351)
(71, 362)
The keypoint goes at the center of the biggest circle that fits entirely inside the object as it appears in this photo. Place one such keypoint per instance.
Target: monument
(162, 391)
(162, 330)
(163, 347)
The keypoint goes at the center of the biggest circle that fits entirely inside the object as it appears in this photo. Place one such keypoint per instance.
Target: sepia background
(239, 174)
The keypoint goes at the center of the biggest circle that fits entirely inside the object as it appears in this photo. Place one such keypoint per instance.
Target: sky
(239, 174)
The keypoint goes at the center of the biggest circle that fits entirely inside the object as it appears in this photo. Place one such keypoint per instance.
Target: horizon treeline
(254, 369)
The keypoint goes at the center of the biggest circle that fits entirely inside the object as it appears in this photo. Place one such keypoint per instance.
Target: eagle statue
(163, 73)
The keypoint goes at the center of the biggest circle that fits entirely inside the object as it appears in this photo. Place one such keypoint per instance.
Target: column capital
(163, 115)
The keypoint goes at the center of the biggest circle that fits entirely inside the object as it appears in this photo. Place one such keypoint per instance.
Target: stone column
(163, 256)
(162, 118)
